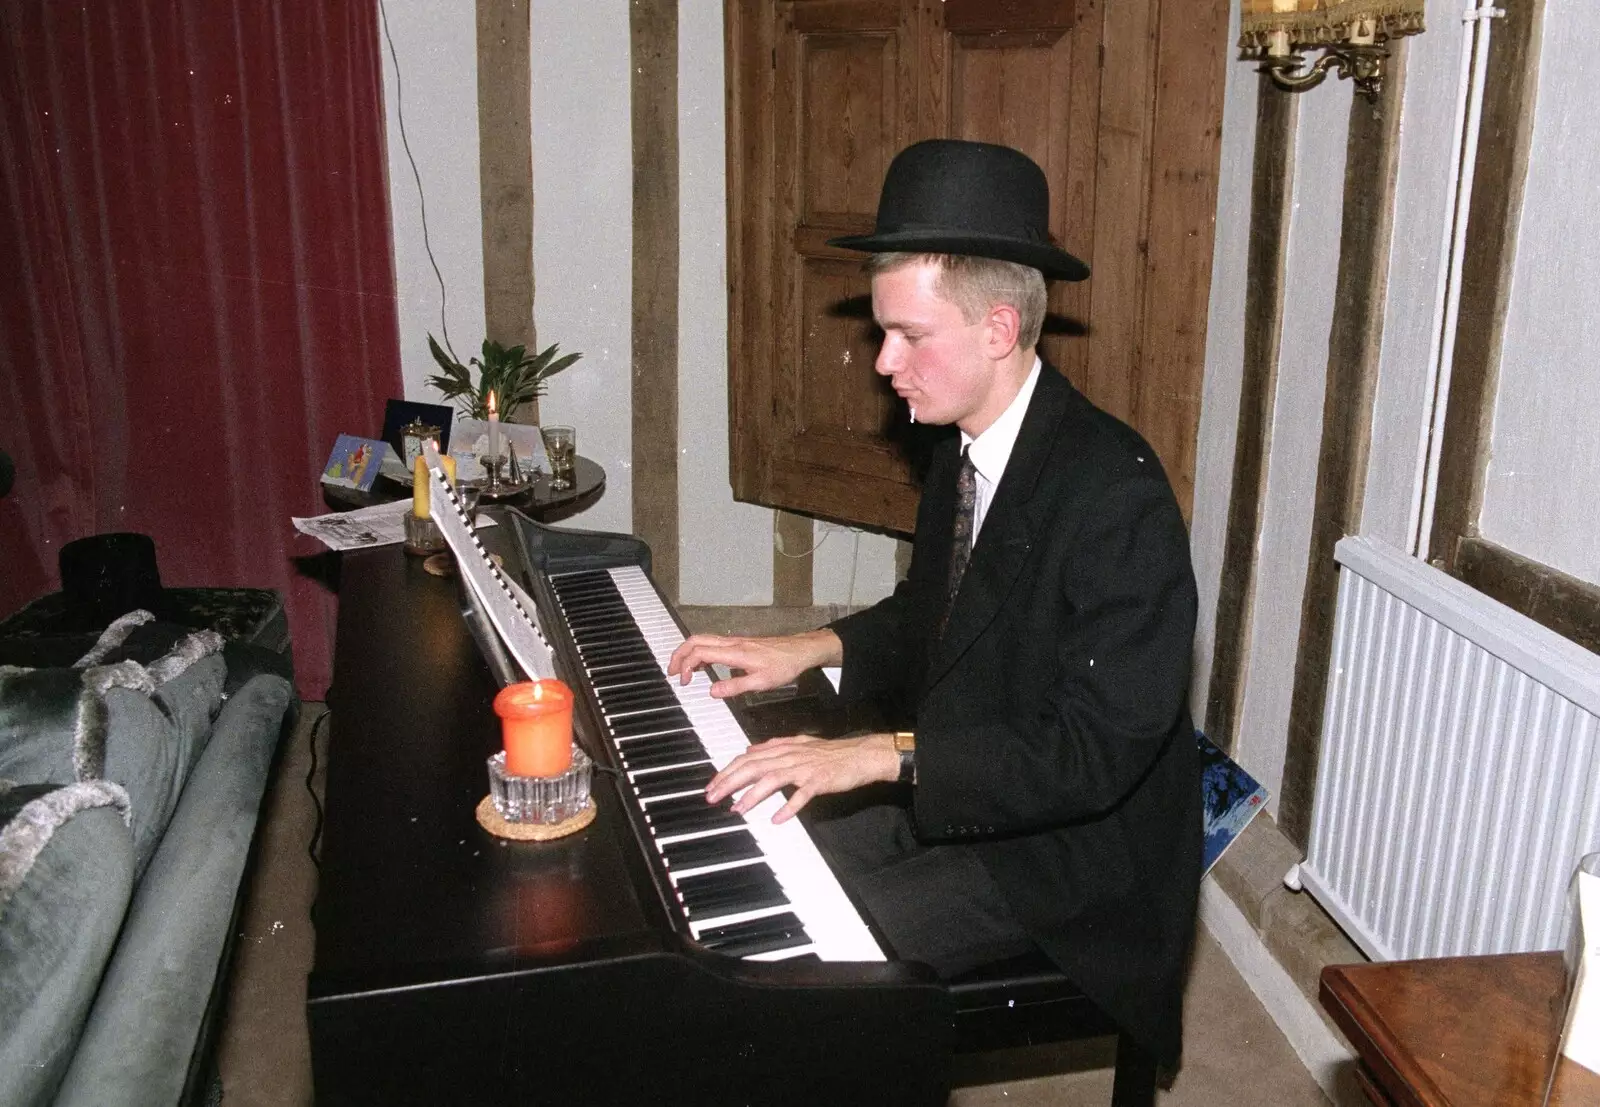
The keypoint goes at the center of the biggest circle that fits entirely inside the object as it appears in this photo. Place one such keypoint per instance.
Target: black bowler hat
(108, 575)
(949, 196)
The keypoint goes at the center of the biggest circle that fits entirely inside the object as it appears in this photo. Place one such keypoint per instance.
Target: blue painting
(1230, 798)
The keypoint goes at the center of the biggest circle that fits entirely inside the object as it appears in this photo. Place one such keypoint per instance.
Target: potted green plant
(514, 376)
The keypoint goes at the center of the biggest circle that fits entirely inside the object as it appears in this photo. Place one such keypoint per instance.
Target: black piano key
(615, 652)
(714, 937)
(716, 849)
(603, 671)
(659, 759)
(754, 901)
(674, 780)
(635, 695)
(767, 940)
(727, 886)
(615, 676)
(659, 739)
(601, 620)
(653, 722)
(569, 587)
(648, 676)
(706, 817)
(609, 629)
(684, 745)
(616, 716)
(689, 802)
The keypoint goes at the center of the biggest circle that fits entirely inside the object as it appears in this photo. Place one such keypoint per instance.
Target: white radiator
(1458, 782)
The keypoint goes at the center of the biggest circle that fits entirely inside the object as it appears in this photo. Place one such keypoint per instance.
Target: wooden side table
(540, 501)
(1458, 1031)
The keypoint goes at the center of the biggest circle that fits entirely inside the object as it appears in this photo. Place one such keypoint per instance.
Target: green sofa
(131, 783)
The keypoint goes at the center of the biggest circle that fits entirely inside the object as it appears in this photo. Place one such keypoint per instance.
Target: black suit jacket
(1053, 733)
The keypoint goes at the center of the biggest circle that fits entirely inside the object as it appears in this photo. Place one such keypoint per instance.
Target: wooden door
(1122, 109)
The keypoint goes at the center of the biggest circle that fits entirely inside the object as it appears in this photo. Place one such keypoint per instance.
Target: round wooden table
(538, 500)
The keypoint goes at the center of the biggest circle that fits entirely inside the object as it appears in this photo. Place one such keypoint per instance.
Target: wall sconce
(1352, 35)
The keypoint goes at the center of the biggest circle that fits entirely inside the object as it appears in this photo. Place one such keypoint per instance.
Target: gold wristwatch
(905, 744)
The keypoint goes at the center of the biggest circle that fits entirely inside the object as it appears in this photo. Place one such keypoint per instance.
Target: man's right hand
(766, 662)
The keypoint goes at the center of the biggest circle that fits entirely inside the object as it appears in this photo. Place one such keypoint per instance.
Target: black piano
(668, 953)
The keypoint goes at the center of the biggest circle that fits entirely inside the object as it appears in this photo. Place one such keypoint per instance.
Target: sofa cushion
(66, 873)
(141, 726)
(141, 1034)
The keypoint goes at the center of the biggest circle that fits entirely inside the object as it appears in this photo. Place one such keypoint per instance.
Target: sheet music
(510, 609)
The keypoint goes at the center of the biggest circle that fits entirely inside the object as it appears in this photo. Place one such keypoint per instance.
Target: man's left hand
(812, 766)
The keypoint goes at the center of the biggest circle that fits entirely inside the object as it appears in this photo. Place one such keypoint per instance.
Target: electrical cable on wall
(827, 529)
(422, 203)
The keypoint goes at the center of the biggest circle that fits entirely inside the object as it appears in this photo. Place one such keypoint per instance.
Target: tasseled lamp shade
(1276, 27)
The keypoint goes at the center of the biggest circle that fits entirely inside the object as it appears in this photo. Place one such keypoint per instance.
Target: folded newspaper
(382, 525)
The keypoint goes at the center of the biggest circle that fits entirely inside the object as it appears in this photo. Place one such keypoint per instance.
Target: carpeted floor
(1233, 1052)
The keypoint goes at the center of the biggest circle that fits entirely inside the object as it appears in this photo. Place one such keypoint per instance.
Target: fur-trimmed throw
(89, 741)
(112, 637)
(43, 809)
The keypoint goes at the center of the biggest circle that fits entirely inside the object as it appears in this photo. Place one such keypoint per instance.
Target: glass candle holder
(541, 799)
(536, 727)
(423, 535)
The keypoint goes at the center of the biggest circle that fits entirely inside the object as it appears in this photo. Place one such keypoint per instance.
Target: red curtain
(199, 286)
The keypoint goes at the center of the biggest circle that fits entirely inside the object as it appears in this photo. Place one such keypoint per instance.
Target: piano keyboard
(745, 887)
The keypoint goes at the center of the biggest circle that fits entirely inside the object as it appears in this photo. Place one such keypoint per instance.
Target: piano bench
(1027, 1001)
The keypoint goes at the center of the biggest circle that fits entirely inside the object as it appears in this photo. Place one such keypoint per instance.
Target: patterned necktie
(961, 537)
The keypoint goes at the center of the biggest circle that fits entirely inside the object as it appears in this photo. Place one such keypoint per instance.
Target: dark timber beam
(1353, 348)
(505, 176)
(1263, 326)
(653, 36)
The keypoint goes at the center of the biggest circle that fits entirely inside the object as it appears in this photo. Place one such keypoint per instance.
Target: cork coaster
(490, 820)
(444, 564)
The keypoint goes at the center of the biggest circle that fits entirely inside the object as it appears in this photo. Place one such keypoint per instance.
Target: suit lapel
(1008, 529)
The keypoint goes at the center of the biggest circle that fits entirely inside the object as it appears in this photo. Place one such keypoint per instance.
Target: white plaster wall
(1417, 256)
(583, 234)
(725, 548)
(1544, 468)
(435, 85)
(1219, 394)
(582, 254)
(1310, 271)
(852, 566)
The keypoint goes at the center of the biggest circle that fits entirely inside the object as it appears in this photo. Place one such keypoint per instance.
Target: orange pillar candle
(536, 727)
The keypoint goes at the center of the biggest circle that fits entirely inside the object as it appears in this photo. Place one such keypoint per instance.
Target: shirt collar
(992, 449)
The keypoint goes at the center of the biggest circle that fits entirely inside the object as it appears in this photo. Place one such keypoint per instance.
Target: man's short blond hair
(975, 285)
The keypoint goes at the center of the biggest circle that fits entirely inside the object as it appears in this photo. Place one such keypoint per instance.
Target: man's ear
(1001, 327)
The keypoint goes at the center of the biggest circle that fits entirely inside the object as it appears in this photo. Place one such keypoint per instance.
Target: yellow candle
(419, 488)
(536, 727)
(449, 464)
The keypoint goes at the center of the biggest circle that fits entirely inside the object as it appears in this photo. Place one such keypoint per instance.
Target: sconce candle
(536, 727)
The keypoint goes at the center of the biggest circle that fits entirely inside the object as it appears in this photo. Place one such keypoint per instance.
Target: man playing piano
(1045, 793)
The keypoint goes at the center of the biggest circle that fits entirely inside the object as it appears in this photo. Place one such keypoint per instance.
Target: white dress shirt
(991, 450)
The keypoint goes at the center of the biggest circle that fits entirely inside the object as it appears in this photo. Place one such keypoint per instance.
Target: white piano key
(832, 922)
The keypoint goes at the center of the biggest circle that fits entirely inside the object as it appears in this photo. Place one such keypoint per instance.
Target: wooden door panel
(1013, 72)
(1121, 106)
(841, 115)
(847, 107)
(843, 401)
